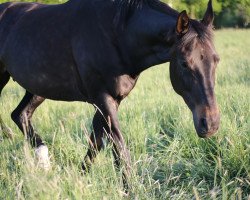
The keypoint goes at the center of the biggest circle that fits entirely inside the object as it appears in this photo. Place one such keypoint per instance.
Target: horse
(94, 51)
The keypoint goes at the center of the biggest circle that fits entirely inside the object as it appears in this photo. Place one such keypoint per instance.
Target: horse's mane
(125, 9)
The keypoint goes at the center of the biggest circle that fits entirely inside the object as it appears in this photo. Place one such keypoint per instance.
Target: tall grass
(169, 160)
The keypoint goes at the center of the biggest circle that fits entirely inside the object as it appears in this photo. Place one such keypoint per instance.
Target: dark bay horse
(94, 51)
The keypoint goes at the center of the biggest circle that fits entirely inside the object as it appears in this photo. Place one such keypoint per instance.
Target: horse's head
(192, 70)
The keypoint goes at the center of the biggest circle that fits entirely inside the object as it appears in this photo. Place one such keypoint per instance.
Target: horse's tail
(4, 75)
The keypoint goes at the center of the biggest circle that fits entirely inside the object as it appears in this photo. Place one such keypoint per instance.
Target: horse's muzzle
(206, 121)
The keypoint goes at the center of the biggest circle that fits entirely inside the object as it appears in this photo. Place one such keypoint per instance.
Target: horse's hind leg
(22, 117)
(4, 78)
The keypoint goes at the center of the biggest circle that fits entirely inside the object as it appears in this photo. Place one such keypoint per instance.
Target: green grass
(169, 160)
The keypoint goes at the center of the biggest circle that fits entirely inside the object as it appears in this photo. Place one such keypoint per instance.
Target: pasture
(169, 160)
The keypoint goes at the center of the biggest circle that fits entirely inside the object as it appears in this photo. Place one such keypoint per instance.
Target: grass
(169, 160)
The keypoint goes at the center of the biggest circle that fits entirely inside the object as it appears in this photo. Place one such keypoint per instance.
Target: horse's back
(10, 13)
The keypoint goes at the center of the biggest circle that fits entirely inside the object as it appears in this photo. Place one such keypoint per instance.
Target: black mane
(125, 9)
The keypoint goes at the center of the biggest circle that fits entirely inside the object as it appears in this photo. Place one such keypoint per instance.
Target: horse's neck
(138, 40)
(150, 38)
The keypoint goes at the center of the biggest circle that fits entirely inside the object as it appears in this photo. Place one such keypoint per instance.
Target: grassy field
(169, 160)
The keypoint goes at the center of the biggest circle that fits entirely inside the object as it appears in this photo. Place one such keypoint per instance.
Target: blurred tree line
(228, 13)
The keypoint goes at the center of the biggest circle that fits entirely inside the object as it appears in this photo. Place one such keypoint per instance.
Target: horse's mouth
(207, 133)
(206, 120)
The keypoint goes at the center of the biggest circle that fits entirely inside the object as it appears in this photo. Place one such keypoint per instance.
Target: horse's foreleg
(107, 122)
(121, 155)
(120, 152)
(22, 117)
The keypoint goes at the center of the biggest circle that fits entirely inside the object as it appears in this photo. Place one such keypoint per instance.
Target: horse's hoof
(42, 155)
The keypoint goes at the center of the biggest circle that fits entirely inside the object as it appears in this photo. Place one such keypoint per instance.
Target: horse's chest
(122, 85)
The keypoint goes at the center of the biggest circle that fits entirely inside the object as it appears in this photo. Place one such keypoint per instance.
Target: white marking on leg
(42, 155)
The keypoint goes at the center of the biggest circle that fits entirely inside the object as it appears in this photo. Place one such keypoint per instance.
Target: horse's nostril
(204, 123)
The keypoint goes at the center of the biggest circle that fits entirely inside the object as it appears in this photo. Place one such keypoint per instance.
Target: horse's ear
(182, 24)
(209, 15)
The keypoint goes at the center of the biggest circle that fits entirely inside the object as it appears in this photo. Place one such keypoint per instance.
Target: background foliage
(229, 13)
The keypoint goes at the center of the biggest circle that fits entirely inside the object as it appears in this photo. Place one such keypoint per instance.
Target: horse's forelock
(203, 32)
(197, 31)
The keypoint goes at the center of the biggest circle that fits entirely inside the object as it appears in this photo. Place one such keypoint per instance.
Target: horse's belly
(54, 91)
(56, 83)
